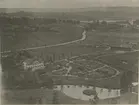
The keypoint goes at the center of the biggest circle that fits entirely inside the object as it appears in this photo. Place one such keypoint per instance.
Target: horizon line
(68, 7)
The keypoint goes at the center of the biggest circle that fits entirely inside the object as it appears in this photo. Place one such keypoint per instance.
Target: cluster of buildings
(33, 64)
(124, 23)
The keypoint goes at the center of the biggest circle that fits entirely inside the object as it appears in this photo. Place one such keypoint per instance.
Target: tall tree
(55, 98)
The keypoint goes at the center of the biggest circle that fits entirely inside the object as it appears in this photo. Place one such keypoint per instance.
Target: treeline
(103, 26)
(27, 28)
(26, 20)
(33, 21)
(14, 60)
(69, 21)
(29, 24)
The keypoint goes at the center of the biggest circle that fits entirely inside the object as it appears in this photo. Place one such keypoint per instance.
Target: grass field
(128, 61)
(123, 62)
(89, 45)
(59, 33)
(111, 38)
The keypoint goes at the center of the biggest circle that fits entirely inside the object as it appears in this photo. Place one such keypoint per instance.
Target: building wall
(33, 66)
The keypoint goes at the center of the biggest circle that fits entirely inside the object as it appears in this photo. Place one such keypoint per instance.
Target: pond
(76, 92)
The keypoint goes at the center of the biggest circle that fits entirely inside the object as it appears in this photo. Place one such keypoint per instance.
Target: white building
(33, 65)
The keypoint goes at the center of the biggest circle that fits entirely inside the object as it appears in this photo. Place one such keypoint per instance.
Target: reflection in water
(77, 92)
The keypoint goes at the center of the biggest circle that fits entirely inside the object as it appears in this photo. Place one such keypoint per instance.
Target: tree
(125, 81)
(64, 21)
(97, 22)
(31, 100)
(51, 59)
(78, 22)
(49, 83)
(63, 56)
(103, 23)
(24, 53)
(55, 98)
(136, 22)
(54, 56)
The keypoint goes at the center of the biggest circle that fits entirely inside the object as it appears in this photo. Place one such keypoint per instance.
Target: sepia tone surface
(69, 54)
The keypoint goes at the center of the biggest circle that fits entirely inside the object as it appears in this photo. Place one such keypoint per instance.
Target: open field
(94, 43)
(57, 33)
(124, 62)
(111, 38)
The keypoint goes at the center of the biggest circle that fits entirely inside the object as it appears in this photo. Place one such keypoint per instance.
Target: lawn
(57, 33)
(61, 52)
(94, 43)
(111, 38)
(123, 62)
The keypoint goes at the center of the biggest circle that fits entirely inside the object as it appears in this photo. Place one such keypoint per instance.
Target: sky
(65, 3)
